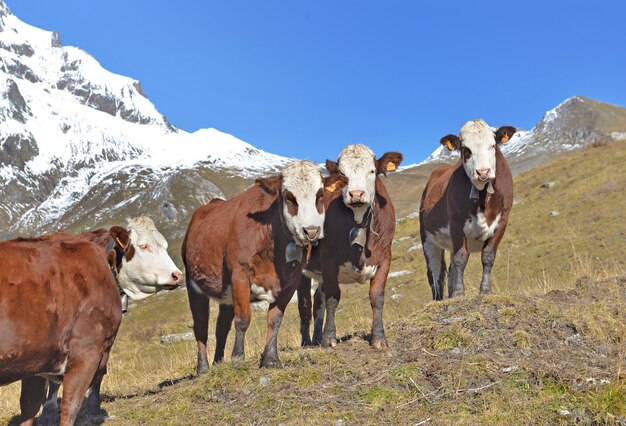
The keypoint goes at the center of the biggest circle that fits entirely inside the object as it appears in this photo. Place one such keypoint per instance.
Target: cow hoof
(329, 343)
(485, 291)
(271, 363)
(306, 343)
(379, 343)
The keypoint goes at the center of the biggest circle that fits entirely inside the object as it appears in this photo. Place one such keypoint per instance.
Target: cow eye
(290, 198)
(373, 171)
(144, 247)
(492, 147)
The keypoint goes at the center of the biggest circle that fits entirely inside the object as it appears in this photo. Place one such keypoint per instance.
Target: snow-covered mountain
(74, 136)
(81, 147)
(573, 124)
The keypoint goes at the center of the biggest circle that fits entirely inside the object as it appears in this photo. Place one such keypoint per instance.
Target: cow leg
(332, 294)
(243, 313)
(93, 400)
(304, 310)
(222, 328)
(451, 278)
(274, 318)
(76, 381)
(488, 258)
(270, 358)
(460, 258)
(436, 267)
(199, 305)
(31, 398)
(377, 300)
(319, 308)
(50, 413)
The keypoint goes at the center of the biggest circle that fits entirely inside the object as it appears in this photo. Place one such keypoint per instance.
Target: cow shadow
(83, 419)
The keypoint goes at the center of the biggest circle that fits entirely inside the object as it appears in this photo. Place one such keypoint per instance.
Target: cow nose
(356, 196)
(483, 174)
(312, 232)
(177, 276)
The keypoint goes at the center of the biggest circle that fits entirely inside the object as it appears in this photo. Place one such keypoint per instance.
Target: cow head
(359, 165)
(477, 143)
(145, 266)
(300, 188)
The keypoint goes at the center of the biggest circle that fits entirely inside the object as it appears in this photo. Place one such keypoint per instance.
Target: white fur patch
(348, 274)
(479, 138)
(151, 267)
(358, 164)
(441, 238)
(303, 179)
(478, 231)
(259, 293)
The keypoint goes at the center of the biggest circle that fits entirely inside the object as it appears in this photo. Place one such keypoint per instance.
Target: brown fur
(228, 246)
(73, 313)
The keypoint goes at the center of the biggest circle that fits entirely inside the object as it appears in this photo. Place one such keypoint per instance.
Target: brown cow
(360, 224)
(256, 238)
(59, 313)
(142, 268)
(465, 206)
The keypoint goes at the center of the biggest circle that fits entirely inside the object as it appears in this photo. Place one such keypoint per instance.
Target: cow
(259, 237)
(360, 224)
(142, 267)
(59, 314)
(465, 206)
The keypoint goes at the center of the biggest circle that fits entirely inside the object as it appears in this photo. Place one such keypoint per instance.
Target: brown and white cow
(59, 313)
(465, 206)
(258, 237)
(142, 268)
(360, 224)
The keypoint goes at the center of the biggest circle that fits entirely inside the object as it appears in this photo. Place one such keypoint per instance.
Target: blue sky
(303, 79)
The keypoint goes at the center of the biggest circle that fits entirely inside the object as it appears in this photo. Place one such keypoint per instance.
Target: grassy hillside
(546, 348)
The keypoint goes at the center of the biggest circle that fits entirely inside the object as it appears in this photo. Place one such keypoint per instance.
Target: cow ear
(452, 142)
(332, 166)
(121, 237)
(112, 259)
(504, 133)
(270, 185)
(335, 182)
(388, 162)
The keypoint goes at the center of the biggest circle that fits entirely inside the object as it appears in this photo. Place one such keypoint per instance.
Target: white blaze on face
(478, 151)
(150, 268)
(303, 207)
(358, 164)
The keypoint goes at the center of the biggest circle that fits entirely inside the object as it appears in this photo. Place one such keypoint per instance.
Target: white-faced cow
(258, 237)
(360, 224)
(465, 206)
(142, 268)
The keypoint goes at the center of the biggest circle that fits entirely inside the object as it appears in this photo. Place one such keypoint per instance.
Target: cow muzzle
(483, 174)
(312, 233)
(176, 280)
